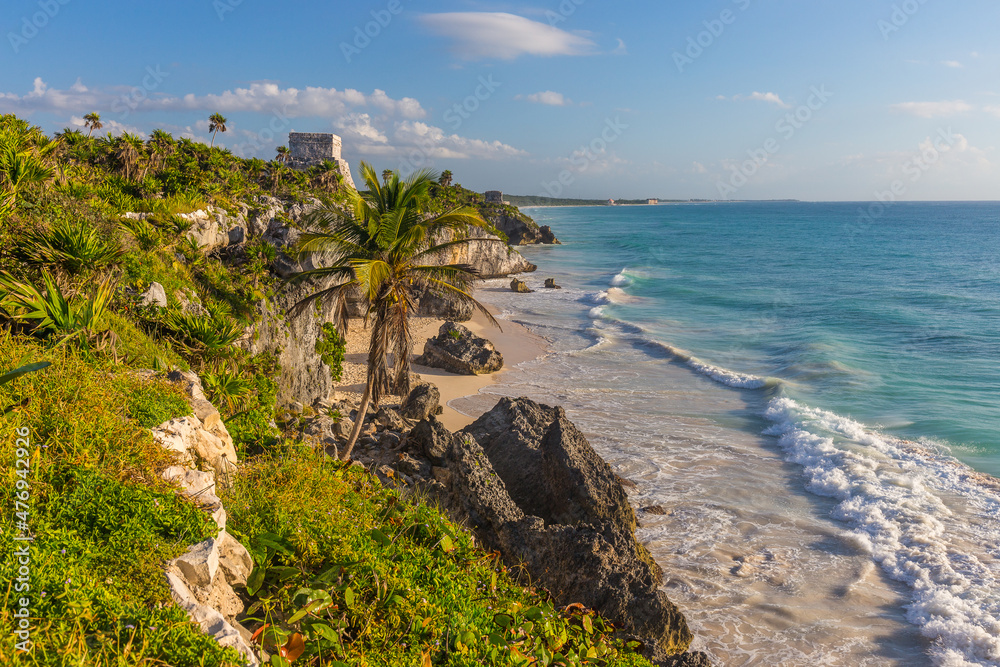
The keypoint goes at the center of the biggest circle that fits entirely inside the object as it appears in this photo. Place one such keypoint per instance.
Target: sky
(822, 100)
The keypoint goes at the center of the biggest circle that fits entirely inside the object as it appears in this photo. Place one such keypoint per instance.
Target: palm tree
(380, 248)
(284, 155)
(92, 121)
(445, 178)
(326, 176)
(386, 175)
(129, 149)
(162, 145)
(216, 123)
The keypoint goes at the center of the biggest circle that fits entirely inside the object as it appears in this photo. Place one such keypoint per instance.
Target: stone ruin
(313, 148)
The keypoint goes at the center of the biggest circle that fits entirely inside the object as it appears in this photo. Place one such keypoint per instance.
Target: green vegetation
(378, 248)
(331, 347)
(346, 572)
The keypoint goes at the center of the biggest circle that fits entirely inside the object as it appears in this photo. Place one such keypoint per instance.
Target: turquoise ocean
(810, 396)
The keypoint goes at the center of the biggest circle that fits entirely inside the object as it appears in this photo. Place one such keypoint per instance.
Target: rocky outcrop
(291, 333)
(593, 558)
(520, 287)
(488, 256)
(458, 350)
(519, 229)
(201, 580)
(550, 283)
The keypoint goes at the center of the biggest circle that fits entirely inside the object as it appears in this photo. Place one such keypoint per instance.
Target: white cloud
(110, 127)
(478, 35)
(260, 97)
(549, 97)
(952, 63)
(770, 98)
(621, 49)
(436, 143)
(358, 128)
(698, 168)
(932, 109)
(993, 110)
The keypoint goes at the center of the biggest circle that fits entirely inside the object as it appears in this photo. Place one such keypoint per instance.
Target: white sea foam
(896, 499)
(596, 313)
(621, 279)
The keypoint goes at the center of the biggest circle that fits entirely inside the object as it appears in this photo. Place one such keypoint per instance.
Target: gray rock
(520, 287)
(550, 469)
(390, 419)
(550, 283)
(548, 501)
(447, 306)
(422, 402)
(154, 296)
(292, 334)
(458, 350)
(430, 439)
(342, 428)
(237, 235)
(519, 230)
(485, 253)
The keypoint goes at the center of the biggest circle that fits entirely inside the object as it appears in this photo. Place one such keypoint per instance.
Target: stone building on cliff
(313, 148)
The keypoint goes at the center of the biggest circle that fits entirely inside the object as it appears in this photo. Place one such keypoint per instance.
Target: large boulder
(458, 350)
(422, 402)
(550, 469)
(578, 562)
(485, 253)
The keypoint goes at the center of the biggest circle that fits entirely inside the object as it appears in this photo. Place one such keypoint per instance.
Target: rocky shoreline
(525, 480)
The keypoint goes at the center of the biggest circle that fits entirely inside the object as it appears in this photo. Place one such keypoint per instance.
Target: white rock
(154, 296)
(199, 564)
(235, 561)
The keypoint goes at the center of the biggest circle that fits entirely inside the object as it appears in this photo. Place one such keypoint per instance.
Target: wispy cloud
(478, 35)
(993, 110)
(932, 109)
(770, 98)
(548, 97)
(621, 49)
(952, 63)
(404, 137)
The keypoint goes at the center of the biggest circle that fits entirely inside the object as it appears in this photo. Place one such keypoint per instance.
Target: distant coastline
(523, 201)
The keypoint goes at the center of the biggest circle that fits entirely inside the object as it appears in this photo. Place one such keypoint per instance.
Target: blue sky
(740, 99)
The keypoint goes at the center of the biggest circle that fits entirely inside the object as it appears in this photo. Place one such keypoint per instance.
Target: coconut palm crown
(92, 121)
(383, 247)
(216, 123)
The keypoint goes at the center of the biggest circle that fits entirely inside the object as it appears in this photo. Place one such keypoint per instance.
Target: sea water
(810, 396)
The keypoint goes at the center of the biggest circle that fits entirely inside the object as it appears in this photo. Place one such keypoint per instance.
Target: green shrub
(331, 347)
(153, 402)
(352, 574)
(253, 429)
(73, 246)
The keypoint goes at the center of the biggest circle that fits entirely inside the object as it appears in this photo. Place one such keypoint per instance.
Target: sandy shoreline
(514, 342)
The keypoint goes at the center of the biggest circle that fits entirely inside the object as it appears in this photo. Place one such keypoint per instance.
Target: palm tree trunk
(359, 423)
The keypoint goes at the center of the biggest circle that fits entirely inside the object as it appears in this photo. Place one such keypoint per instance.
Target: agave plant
(226, 386)
(16, 373)
(145, 233)
(203, 333)
(72, 246)
(49, 312)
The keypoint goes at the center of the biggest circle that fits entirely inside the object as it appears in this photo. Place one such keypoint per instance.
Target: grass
(104, 522)
(363, 577)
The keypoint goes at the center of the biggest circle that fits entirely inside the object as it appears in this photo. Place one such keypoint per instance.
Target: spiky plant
(74, 247)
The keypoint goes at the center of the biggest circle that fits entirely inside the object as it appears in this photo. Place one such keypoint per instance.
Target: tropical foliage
(383, 247)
